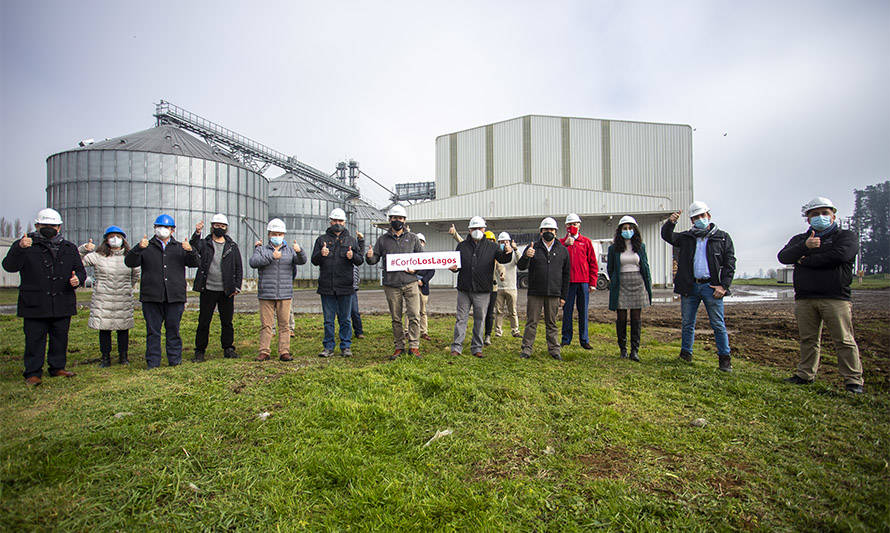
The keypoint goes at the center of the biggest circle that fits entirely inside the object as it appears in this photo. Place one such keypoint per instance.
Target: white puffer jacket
(112, 304)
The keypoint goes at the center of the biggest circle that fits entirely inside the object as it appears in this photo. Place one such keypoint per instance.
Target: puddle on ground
(765, 294)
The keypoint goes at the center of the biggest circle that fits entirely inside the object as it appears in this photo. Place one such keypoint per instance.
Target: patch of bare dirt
(612, 462)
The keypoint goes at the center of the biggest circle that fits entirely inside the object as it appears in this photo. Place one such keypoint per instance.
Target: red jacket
(583, 256)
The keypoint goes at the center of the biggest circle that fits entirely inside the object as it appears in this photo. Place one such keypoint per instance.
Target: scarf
(702, 233)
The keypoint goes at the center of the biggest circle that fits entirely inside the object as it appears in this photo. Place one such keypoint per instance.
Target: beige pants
(272, 311)
(506, 304)
(548, 306)
(424, 323)
(837, 315)
(394, 298)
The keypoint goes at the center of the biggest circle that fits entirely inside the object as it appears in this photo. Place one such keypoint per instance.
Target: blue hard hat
(114, 229)
(165, 220)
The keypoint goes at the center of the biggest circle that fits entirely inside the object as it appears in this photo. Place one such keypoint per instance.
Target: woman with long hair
(630, 283)
(111, 308)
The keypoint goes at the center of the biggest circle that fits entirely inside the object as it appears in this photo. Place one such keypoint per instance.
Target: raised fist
(324, 249)
(530, 251)
(144, 242)
(25, 242)
(89, 246)
(199, 226)
(675, 217)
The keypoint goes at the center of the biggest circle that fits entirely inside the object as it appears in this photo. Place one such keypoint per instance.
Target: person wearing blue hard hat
(111, 306)
(162, 290)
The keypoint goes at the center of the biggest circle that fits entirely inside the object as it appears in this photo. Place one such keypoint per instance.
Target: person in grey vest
(507, 292)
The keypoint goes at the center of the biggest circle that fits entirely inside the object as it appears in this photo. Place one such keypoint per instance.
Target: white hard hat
(572, 218)
(504, 236)
(48, 216)
(276, 225)
(697, 208)
(627, 219)
(548, 223)
(477, 222)
(338, 214)
(421, 237)
(397, 211)
(219, 218)
(819, 201)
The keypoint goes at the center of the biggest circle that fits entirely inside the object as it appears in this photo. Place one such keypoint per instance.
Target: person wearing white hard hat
(474, 282)
(217, 280)
(505, 304)
(630, 283)
(162, 288)
(336, 254)
(549, 271)
(276, 263)
(705, 269)
(50, 270)
(423, 281)
(823, 257)
(400, 287)
(581, 283)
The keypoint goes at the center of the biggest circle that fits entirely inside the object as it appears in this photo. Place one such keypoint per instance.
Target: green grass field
(537, 445)
(871, 282)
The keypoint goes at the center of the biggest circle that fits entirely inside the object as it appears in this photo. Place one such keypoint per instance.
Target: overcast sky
(799, 88)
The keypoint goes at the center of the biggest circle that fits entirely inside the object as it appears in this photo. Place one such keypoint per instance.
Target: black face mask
(48, 232)
(337, 228)
(218, 232)
(548, 236)
(396, 224)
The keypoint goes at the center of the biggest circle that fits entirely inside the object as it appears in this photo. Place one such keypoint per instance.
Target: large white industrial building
(518, 171)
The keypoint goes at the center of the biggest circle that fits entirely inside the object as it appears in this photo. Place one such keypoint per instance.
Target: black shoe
(725, 364)
(230, 353)
(854, 388)
(634, 356)
(105, 360)
(635, 329)
(524, 355)
(686, 356)
(797, 380)
(564, 343)
(586, 346)
(199, 357)
(123, 359)
(621, 336)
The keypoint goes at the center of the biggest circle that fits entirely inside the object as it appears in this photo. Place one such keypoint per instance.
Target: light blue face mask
(627, 233)
(820, 222)
(277, 241)
(501, 245)
(702, 223)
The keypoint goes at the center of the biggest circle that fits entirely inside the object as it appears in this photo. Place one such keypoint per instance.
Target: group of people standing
(562, 272)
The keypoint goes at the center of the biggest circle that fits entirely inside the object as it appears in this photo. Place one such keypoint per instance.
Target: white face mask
(163, 232)
(115, 242)
(477, 234)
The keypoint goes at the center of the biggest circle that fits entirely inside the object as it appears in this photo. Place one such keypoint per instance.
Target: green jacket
(613, 264)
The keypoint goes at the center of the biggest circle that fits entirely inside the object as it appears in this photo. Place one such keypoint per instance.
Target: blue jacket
(276, 276)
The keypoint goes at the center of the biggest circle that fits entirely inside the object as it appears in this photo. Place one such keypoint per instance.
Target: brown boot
(478, 354)
(285, 357)
(62, 373)
(395, 355)
(415, 352)
(33, 381)
(426, 337)
(263, 357)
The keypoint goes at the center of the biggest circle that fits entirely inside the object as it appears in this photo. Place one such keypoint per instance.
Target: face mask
(627, 233)
(702, 223)
(48, 232)
(573, 230)
(218, 232)
(819, 222)
(115, 242)
(277, 241)
(396, 224)
(548, 236)
(477, 234)
(501, 245)
(163, 232)
(337, 228)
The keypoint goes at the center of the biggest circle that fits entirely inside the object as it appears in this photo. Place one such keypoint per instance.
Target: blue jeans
(702, 292)
(579, 293)
(339, 306)
(168, 315)
(356, 316)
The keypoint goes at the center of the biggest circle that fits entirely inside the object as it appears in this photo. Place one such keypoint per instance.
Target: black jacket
(477, 264)
(163, 270)
(335, 271)
(45, 268)
(823, 272)
(720, 252)
(548, 273)
(232, 269)
(425, 276)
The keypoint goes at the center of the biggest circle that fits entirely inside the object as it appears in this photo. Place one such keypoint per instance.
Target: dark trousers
(356, 316)
(123, 341)
(168, 315)
(489, 313)
(36, 331)
(339, 307)
(226, 305)
(578, 295)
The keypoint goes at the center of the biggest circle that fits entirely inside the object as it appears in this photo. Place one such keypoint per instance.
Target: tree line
(871, 221)
(13, 229)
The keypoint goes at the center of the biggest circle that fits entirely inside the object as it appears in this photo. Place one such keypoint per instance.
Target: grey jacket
(111, 306)
(389, 243)
(276, 276)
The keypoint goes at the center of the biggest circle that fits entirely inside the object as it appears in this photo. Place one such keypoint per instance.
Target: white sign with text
(422, 261)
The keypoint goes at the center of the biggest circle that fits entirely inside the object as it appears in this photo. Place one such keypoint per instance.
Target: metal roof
(164, 140)
(290, 186)
(571, 117)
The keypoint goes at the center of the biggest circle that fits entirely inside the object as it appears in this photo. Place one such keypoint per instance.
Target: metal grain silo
(128, 181)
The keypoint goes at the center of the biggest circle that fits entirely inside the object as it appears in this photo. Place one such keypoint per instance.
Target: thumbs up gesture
(324, 249)
(199, 226)
(257, 243)
(675, 217)
(349, 253)
(187, 246)
(530, 251)
(813, 241)
(370, 251)
(297, 248)
(277, 253)
(144, 242)
(508, 247)
(359, 236)
(89, 246)
(74, 281)
(451, 230)
(25, 242)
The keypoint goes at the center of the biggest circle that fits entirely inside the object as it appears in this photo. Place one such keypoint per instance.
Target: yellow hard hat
(489, 235)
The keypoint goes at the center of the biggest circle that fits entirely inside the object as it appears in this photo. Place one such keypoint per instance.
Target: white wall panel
(586, 153)
(546, 151)
(471, 161)
(443, 167)
(507, 156)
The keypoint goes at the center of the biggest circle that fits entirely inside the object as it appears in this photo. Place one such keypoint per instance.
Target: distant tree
(30, 228)
(3, 224)
(772, 274)
(744, 275)
(871, 221)
(760, 273)
(18, 228)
